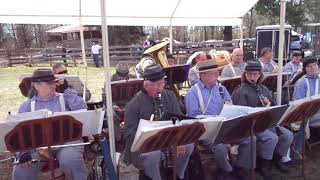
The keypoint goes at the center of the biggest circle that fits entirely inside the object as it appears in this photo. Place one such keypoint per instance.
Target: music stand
(231, 84)
(241, 127)
(43, 132)
(270, 81)
(175, 75)
(302, 113)
(173, 137)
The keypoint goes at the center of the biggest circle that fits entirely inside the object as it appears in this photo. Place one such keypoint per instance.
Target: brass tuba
(158, 53)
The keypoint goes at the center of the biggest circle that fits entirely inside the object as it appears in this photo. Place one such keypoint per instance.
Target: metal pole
(106, 64)
(171, 37)
(241, 34)
(280, 53)
(83, 51)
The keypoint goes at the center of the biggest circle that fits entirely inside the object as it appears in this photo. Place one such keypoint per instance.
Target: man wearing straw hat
(207, 98)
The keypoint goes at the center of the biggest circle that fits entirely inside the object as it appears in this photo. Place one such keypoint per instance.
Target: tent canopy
(125, 12)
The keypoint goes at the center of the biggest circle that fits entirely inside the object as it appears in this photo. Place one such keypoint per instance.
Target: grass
(11, 98)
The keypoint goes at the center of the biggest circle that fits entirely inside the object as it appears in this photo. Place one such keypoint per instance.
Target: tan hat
(206, 65)
(156, 47)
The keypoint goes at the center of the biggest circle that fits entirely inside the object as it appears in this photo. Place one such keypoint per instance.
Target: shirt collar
(36, 98)
(238, 65)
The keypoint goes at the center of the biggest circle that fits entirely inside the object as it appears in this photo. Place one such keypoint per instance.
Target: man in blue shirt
(207, 97)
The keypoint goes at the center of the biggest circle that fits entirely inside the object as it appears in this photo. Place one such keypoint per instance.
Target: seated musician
(295, 65)
(207, 97)
(273, 142)
(142, 106)
(193, 76)
(122, 72)
(267, 63)
(237, 65)
(307, 86)
(77, 86)
(45, 96)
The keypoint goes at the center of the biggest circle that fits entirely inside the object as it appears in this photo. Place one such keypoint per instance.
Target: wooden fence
(131, 53)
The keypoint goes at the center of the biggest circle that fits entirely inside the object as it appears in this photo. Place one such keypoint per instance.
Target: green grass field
(11, 98)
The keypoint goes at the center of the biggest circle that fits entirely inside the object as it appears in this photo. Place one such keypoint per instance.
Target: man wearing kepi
(295, 65)
(144, 105)
(274, 142)
(207, 98)
(309, 85)
(236, 67)
(45, 96)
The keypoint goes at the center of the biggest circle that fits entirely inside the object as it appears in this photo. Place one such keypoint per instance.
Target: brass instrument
(158, 53)
(222, 58)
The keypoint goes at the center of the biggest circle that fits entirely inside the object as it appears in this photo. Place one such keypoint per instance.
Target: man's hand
(266, 101)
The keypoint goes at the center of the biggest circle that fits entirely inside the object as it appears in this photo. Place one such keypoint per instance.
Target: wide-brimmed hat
(206, 65)
(43, 75)
(156, 47)
(253, 66)
(153, 73)
(191, 59)
(122, 68)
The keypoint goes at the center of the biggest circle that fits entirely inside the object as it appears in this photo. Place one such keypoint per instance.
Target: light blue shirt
(215, 105)
(300, 92)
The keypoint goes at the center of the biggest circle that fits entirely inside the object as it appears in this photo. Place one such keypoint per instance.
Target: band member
(268, 65)
(143, 106)
(122, 72)
(153, 55)
(307, 86)
(207, 97)
(275, 140)
(76, 85)
(193, 75)
(236, 67)
(295, 65)
(70, 159)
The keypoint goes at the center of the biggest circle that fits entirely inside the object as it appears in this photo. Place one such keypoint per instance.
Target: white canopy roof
(126, 12)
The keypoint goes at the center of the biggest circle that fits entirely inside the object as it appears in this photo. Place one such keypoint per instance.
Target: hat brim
(156, 47)
(210, 69)
(44, 79)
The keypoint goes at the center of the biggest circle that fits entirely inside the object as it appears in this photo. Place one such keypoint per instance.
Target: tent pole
(241, 34)
(171, 38)
(83, 51)
(281, 46)
(107, 85)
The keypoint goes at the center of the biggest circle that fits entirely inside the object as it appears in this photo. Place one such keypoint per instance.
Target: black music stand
(231, 84)
(124, 91)
(302, 113)
(175, 75)
(241, 127)
(270, 81)
(172, 138)
(43, 132)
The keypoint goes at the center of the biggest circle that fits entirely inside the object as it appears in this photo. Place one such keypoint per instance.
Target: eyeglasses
(63, 72)
(253, 74)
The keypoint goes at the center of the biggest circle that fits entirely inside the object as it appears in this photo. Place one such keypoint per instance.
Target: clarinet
(260, 96)
(168, 153)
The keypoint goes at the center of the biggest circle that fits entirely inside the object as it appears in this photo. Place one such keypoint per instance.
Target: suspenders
(200, 97)
(61, 101)
(316, 91)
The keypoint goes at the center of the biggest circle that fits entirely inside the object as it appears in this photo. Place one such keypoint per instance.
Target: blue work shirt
(300, 92)
(215, 105)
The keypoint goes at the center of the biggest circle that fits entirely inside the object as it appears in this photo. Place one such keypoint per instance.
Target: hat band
(43, 78)
(208, 67)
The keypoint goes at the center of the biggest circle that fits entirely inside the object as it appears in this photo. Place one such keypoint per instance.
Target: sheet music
(148, 128)
(29, 115)
(232, 111)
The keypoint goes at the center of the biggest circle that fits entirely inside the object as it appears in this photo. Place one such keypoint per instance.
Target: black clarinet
(260, 96)
(168, 162)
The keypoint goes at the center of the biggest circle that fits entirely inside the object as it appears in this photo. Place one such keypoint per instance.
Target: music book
(148, 128)
(91, 121)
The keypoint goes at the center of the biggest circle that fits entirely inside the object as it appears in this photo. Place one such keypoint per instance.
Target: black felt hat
(253, 66)
(43, 75)
(153, 73)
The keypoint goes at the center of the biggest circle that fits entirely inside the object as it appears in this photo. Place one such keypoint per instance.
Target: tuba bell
(158, 53)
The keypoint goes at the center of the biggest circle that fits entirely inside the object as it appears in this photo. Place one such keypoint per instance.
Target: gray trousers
(274, 141)
(151, 163)
(71, 163)
(220, 154)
